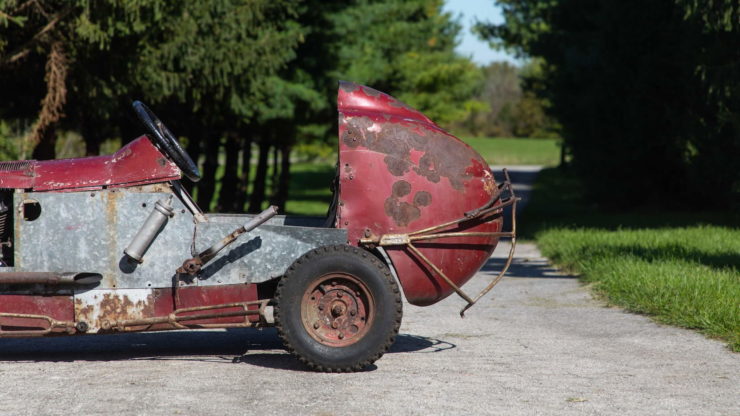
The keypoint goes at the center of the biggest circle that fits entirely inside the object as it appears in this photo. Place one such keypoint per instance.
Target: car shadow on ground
(520, 267)
(259, 347)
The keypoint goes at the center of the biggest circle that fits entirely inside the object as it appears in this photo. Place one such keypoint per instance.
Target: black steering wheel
(163, 138)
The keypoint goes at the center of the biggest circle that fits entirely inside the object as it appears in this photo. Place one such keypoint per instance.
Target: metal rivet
(341, 335)
(316, 325)
(339, 294)
(321, 307)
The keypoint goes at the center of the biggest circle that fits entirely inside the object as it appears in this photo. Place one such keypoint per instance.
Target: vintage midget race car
(114, 244)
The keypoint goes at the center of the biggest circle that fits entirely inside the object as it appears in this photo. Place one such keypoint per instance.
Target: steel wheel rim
(337, 309)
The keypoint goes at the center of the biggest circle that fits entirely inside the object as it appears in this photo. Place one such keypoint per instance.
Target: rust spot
(422, 199)
(426, 168)
(442, 155)
(351, 137)
(396, 166)
(402, 213)
(401, 188)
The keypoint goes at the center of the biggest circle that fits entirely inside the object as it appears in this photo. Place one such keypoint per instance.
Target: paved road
(540, 345)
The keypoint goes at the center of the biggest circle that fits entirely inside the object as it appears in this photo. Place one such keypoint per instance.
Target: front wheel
(338, 308)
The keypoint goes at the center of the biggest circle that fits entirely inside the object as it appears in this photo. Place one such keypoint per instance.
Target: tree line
(647, 94)
(228, 76)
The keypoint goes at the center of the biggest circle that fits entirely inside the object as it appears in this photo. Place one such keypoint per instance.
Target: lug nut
(341, 335)
(339, 294)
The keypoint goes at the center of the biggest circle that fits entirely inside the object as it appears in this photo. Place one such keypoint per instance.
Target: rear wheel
(338, 308)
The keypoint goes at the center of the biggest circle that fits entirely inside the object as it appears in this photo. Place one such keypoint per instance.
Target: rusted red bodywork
(399, 173)
(115, 308)
(137, 163)
(400, 176)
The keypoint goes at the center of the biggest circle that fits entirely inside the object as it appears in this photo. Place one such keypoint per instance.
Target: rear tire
(338, 309)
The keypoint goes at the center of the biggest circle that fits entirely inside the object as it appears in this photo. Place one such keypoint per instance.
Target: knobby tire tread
(284, 334)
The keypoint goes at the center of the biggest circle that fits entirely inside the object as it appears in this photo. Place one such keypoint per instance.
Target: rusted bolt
(340, 335)
(335, 325)
(316, 325)
(82, 326)
(337, 310)
(333, 283)
(353, 313)
(339, 294)
(368, 233)
(321, 307)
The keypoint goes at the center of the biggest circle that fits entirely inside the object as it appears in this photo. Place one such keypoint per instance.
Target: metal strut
(489, 211)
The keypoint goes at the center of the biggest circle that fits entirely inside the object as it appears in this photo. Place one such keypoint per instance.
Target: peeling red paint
(137, 163)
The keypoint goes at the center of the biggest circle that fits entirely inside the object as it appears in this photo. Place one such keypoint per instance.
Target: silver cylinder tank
(149, 230)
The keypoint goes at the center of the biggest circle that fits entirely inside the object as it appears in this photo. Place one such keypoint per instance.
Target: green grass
(506, 152)
(310, 192)
(682, 268)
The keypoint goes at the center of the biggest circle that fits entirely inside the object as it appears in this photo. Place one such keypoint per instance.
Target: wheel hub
(336, 308)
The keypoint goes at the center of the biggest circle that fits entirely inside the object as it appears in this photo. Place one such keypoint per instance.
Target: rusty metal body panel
(137, 163)
(399, 173)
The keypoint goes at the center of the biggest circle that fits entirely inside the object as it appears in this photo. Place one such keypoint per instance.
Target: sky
(469, 11)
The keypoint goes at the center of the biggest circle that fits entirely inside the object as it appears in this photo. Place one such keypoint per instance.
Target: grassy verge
(503, 152)
(682, 268)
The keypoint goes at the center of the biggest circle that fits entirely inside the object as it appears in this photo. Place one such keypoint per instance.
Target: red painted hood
(400, 173)
(137, 163)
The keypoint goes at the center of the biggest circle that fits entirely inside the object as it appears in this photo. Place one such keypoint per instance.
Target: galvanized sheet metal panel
(88, 231)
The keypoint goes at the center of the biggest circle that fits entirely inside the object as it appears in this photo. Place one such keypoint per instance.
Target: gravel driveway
(539, 345)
